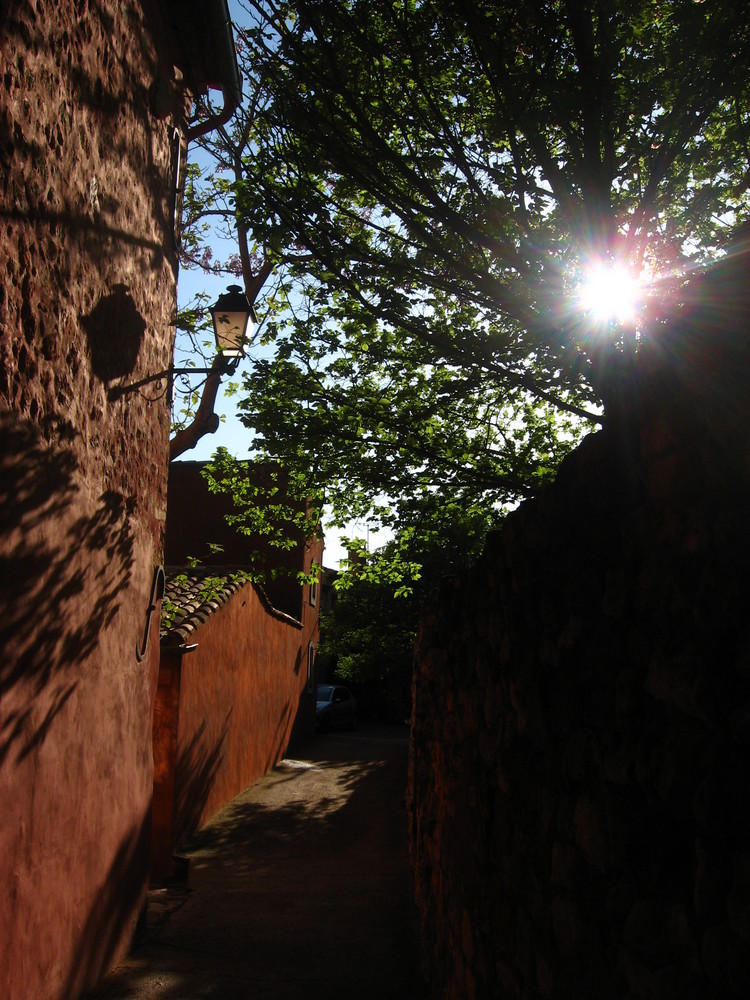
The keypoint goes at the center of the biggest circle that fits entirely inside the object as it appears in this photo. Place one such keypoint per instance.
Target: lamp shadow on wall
(61, 571)
(114, 330)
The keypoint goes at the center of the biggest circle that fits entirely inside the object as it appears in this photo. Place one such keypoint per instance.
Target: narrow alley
(299, 888)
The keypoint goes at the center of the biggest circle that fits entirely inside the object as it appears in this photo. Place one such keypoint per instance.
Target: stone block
(726, 960)
(566, 919)
(710, 884)
(739, 725)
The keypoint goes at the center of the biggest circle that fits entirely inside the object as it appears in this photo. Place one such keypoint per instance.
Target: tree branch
(205, 420)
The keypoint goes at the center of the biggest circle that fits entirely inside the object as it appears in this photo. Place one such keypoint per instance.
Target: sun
(610, 292)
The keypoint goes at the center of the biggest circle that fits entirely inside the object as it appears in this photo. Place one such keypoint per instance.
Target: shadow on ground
(299, 888)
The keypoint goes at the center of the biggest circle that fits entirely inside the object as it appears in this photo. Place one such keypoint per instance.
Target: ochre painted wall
(197, 519)
(166, 721)
(87, 293)
(226, 712)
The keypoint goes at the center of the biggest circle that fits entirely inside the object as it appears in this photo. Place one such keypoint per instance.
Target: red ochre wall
(87, 291)
(226, 712)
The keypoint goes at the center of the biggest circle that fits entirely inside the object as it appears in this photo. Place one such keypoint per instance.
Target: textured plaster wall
(226, 712)
(87, 283)
(580, 769)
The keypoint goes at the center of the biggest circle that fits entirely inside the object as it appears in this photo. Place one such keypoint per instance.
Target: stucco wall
(87, 291)
(226, 712)
(580, 770)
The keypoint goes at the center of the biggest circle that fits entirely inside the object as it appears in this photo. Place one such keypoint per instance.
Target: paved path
(299, 889)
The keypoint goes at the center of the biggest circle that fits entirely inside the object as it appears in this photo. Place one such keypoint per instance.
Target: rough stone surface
(87, 282)
(580, 779)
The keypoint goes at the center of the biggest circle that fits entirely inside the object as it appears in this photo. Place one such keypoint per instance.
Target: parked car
(336, 706)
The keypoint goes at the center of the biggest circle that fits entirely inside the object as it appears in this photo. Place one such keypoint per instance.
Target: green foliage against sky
(431, 181)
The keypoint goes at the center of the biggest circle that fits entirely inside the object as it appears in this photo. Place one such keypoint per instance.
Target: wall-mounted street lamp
(234, 320)
(231, 315)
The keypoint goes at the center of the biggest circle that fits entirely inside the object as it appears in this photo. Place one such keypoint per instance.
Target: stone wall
(87, 294)
(580, 767)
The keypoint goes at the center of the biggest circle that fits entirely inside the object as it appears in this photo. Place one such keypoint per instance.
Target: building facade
(237, 676)
(92, 130)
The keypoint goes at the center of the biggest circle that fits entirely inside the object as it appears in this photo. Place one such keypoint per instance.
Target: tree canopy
(431, 181)
(368, 636)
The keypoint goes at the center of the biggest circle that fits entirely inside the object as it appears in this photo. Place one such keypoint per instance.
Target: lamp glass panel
(230, 329)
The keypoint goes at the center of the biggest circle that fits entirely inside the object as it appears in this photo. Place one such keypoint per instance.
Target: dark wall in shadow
(198, 762)
(580, 781)
(120, 902)
(63, 569)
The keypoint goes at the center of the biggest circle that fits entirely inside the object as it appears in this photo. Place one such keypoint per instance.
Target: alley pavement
(299, 889)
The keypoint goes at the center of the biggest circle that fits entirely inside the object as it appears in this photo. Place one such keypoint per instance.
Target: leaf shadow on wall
(103, 218)
(61, 571)
(118, 906)
(196, 768)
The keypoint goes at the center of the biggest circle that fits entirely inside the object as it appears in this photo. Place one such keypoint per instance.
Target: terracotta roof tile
(193, 594)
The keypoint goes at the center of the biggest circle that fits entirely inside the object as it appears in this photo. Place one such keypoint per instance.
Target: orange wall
(88, 280)
(166, 720)
(226, 712)
(196, 518)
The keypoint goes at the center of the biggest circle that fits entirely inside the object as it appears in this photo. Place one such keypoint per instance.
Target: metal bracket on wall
(157, 592)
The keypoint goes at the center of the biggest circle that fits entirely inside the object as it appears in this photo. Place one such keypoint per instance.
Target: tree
(432, 180)
(370, 632)
(208, 211)
(368, 638)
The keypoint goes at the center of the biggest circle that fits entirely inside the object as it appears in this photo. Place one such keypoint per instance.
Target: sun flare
(610, 292)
